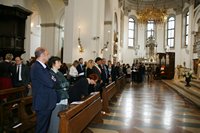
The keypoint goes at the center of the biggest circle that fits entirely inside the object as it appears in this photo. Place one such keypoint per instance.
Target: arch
(60, 17)
(45, 11)
(134, 17)
(196, 20)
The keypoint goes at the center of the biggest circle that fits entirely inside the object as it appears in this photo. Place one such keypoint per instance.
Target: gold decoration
(81, 49)
(152, 14)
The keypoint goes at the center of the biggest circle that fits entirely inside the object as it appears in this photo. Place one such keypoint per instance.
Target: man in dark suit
(104, 74)
(44, 96)
(20, 74)
(97, 70)
(80, 68)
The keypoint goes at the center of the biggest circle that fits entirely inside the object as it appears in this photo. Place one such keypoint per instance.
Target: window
(186, 28)
(131, 32)
(171, 32)
(150, 28)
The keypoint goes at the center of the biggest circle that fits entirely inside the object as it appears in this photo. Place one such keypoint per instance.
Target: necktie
(81, 67)
(105, 69)
(19, 73)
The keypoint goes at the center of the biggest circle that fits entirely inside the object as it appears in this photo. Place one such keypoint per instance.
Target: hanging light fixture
(152, 13)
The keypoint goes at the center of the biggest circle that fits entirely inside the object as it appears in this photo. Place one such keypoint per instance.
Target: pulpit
(12, 33)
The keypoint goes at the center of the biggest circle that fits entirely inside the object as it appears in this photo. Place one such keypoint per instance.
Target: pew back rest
(76, 118)
(109, 91)
(118, 83)
(10, 114)
(26, 111)
(10, 110)
(16, 90)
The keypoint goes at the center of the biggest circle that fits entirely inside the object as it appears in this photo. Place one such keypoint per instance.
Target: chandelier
(158, 15)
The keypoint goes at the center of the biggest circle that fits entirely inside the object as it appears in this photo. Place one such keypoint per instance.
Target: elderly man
(44, 96)
(20, 74)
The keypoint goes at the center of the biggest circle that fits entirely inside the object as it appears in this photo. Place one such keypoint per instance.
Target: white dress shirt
(42, 64)
(19, 69)
(73, 71)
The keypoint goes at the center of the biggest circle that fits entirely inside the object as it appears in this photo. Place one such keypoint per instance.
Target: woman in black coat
(61, 87)
(80, 88)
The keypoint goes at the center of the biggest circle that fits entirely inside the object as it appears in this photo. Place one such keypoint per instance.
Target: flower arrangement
(188, 74)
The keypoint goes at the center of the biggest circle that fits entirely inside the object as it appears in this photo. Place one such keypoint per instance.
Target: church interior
(149, 53)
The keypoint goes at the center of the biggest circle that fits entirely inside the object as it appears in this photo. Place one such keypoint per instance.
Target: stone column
(27, 55)
(68, 31)
(191, 36)
(49, 37)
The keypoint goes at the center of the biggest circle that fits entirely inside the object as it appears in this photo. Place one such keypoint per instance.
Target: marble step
(193, 83)
(190, 93)
(196, 81)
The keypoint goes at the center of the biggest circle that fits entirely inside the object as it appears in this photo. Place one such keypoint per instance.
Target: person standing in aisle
(44, 96)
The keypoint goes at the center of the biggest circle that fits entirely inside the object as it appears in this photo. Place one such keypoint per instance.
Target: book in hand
(81, 74)
(93, 93)
(77, 102)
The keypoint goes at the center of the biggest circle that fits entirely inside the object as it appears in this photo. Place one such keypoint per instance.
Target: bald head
(41, 54)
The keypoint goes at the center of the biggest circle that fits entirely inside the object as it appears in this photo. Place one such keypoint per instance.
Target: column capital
(66, 2)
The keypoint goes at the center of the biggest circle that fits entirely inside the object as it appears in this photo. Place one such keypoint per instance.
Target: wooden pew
(11, 91)
(16, 114)
(76, 118)
(28, 116)
(108, 92)
(10, 113)
(120, 83)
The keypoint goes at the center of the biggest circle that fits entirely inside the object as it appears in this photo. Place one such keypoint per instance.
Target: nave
(149, 108)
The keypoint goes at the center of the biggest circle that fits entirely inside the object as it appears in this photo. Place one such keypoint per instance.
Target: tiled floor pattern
(149, 108)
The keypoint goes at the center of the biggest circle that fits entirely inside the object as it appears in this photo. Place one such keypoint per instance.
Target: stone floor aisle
(150, 108)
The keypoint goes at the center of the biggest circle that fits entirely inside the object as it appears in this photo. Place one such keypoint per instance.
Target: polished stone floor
(149, 108)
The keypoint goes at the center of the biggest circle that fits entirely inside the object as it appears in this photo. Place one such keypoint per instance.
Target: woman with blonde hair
(89, 70)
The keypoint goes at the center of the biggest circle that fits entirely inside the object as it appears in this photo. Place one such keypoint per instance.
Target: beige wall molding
(51, 25)
(107, 22)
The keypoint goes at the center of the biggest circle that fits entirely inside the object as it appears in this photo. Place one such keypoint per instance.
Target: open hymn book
(77, 102)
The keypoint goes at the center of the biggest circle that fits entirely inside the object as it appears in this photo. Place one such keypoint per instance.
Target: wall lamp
(80, 47)
(105, 47)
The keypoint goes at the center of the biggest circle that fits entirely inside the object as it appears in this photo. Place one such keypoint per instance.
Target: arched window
(131, 32)
(171, 32)
(150, 28)
(186, 28)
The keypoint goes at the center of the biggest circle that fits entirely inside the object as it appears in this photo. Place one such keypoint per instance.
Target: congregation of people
(53, 85)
